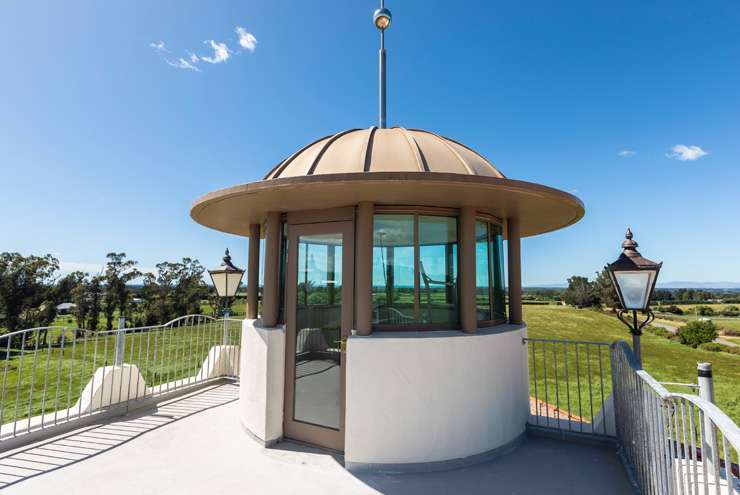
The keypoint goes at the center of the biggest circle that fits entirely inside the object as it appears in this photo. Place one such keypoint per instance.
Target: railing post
(226, 327)
(706, 392)
(120, 341)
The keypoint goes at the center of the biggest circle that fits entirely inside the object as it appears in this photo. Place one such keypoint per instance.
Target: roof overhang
(539, 208)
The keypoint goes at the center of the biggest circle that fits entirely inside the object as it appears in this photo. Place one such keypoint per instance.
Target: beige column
(253, 270)
(364, 268)
(270, 296)
(514, 256)
(468, 318)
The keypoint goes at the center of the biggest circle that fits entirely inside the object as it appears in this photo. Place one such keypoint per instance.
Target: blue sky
(104, 145)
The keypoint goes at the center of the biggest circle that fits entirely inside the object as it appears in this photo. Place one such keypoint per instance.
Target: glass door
(318, 321)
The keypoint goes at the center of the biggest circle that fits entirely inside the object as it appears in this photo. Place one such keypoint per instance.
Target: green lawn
(665, 360)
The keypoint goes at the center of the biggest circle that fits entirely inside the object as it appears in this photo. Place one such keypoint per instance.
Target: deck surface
(194, 444)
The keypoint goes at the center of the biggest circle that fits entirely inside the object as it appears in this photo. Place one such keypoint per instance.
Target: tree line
(31, 287)
(582, 293)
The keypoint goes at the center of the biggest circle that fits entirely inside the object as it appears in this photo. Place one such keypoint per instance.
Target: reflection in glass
(482, 272)
(393, 270)
(438, 269)
(490, 296)
(318, 330)
(499, 285)
(283, 266)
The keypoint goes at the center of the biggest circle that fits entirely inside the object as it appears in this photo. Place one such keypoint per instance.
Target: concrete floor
(195, 444)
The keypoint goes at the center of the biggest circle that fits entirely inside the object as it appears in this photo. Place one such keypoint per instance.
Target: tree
(65, 286)
(118, 273)
(175, 290)
(580, 292)
(26, 283)
(605, 290)
(87, 296)
(95, 292)
(81, 299)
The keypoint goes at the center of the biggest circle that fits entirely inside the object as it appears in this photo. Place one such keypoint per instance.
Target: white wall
(262, 380)
(416, 397)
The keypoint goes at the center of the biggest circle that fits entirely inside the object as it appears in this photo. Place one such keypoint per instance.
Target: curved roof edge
(539, 208)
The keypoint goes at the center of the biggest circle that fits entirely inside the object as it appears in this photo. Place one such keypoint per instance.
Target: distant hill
(661, 285)
(699, 285)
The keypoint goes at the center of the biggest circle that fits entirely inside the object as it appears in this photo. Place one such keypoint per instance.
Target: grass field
(721, 321)
(665, 360)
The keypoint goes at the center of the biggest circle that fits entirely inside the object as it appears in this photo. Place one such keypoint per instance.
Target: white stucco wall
(262, 380)
(430, 397)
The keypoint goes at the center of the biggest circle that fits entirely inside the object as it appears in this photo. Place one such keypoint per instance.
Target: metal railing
(570, 385)
(56, 375)
(674, 443)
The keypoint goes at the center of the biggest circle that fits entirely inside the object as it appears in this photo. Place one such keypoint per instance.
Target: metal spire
(382, 21)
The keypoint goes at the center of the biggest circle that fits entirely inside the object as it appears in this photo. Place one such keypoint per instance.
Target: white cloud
(626, 153)
(221, 52)
(159, 47)
(182, 63)
(686, 153)
(246, 39)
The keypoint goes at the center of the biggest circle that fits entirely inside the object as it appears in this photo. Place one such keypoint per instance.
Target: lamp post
(634, 280)
(382, 21)
(226, 279)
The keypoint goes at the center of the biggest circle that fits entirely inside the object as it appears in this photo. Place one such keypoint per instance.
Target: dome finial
(629, 245)
(382, 21)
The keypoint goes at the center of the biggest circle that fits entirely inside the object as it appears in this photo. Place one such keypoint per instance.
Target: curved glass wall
(415, 271)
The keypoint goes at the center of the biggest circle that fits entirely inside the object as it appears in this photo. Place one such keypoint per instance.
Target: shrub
(731, 332)
(712, 347)
(731, 311)
(716, 347)
(673, 309)
(695, 333)
(659, 331)
(704, 311)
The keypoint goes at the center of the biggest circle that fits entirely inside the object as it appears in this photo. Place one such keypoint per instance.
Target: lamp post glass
(634, 278)
(226, 279)
(635, 288)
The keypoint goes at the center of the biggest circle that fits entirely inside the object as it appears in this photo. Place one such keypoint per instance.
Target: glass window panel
(482, 272)
(318, 330)
(438, 295)
(499, 283)
(393, 270)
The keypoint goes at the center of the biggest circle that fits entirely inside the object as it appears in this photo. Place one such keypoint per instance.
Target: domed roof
(394, 167)
(384, 150)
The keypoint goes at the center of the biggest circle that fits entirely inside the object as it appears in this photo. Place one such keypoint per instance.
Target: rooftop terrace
(194, 444)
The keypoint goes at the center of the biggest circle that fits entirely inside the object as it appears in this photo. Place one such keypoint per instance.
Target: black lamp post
(634, 280)
(226, 279)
